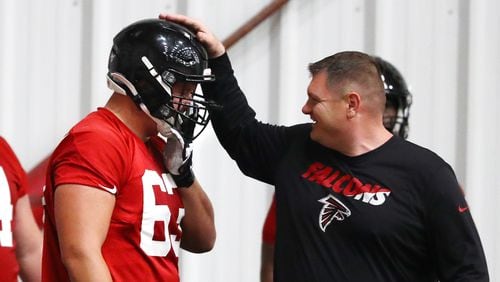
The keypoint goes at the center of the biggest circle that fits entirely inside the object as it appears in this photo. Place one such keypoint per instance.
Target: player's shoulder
(97, 122)
(100, 131)
(8, 157)
(100, 127)
(3, 142)
(5, 147)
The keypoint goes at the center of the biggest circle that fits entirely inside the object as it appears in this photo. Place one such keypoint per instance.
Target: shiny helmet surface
(147, 58)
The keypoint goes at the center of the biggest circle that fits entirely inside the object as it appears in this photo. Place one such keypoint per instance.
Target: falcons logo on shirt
(332, 209)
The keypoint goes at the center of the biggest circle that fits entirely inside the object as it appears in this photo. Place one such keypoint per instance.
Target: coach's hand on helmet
(214, 47)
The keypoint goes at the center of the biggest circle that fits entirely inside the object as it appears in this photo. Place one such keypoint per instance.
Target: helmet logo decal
(184, 55)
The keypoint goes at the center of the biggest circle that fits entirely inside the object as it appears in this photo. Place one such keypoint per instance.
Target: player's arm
(268, 242)
(266, 262)
(28, 241)
(82, 216)
(198, 228)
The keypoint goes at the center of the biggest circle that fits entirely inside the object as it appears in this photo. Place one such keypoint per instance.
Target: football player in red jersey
(396, 115)
(20, 237)
(119, 200)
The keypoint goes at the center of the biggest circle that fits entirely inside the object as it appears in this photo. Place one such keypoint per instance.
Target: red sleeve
(90, 158)
(269, 230)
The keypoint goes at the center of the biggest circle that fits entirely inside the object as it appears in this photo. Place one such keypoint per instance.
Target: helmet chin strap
(163, 127)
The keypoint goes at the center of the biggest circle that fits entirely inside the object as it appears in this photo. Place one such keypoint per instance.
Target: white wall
(53, 57)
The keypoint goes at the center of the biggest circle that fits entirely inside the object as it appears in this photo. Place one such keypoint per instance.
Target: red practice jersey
(144, 234)
(13, 182)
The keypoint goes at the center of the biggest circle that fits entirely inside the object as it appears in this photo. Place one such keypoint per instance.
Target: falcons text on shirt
(346, 184)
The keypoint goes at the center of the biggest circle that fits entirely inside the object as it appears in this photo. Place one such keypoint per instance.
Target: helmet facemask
(185, 113)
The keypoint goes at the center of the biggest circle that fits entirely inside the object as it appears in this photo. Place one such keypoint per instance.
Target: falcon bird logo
(332, 209)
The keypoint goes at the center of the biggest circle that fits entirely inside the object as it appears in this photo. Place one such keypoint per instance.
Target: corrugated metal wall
(53, 57)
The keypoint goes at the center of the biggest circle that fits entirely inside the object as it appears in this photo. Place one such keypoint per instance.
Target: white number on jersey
(153, 213)
(6, 211)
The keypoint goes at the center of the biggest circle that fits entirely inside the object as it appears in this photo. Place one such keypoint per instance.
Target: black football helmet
(147, 58)
(397, 96)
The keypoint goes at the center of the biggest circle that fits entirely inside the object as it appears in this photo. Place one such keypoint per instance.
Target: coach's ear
(353, 101)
